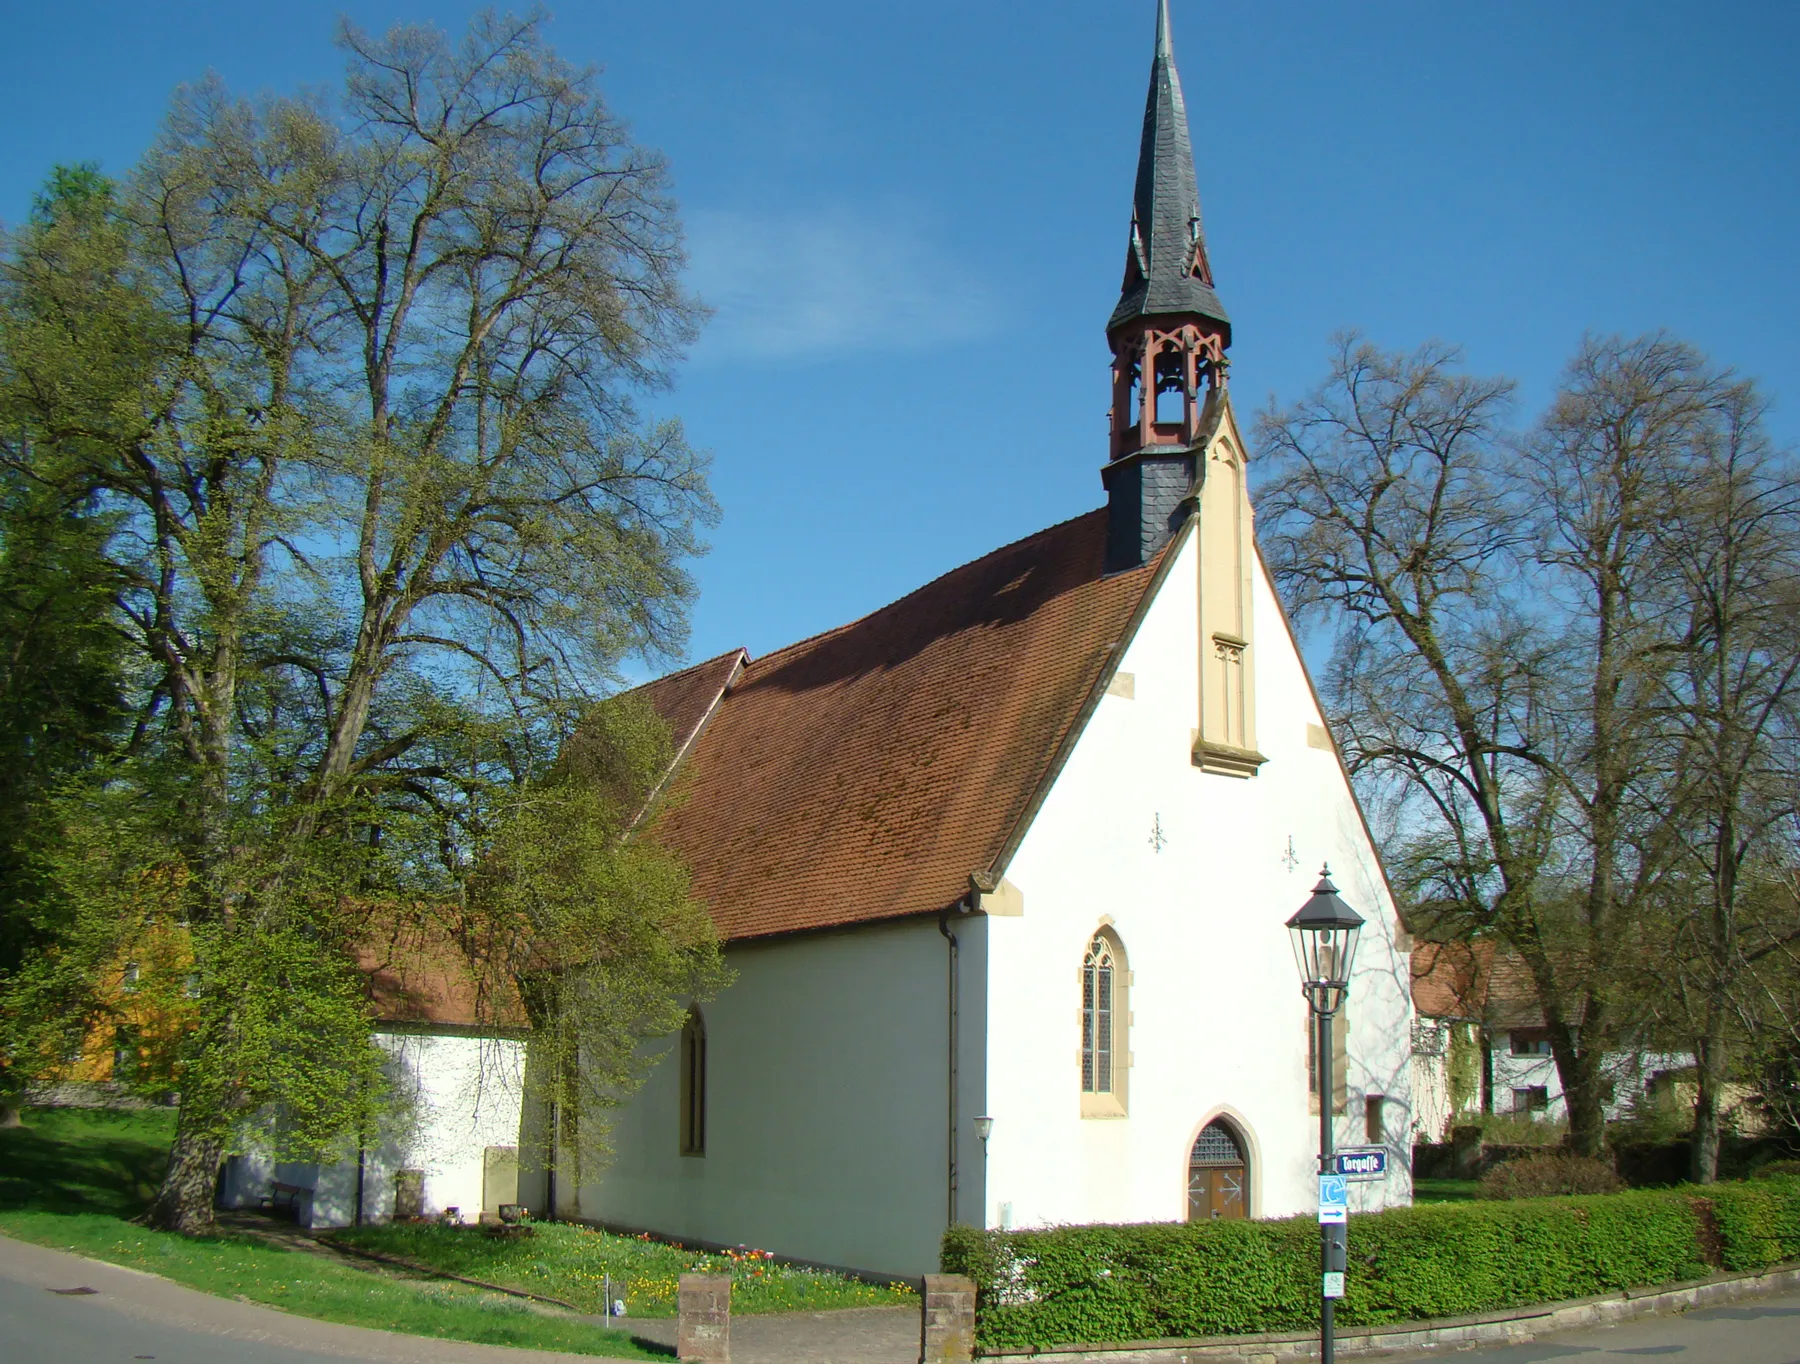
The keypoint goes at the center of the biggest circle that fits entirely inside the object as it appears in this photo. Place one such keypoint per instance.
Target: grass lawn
(571, 1263)
(71, 1179)
(1446, 1190)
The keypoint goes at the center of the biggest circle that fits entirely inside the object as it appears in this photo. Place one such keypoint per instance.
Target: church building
(1003, 867)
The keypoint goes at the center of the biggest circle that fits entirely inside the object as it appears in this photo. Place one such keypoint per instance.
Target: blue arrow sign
(1334, 1200)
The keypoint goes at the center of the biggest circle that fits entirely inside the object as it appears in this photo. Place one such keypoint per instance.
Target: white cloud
(797, 283)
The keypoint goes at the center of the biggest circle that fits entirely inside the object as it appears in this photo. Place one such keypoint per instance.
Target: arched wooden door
(1218, 1175)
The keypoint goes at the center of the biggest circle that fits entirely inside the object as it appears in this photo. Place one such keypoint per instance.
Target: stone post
(704, 1331)
(947, 1329)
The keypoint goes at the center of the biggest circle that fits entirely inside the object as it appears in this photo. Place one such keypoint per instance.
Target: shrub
(1074, 1285)
(1759, 1222)
(1550, 1176)
(1775, 1169)
(1517, 1129)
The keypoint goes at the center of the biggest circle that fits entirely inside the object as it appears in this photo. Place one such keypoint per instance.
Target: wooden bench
(284, 1198)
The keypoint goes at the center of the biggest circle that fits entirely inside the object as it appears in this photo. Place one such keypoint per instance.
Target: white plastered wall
(458, 1096)
(1191, 870)
(826, 1104)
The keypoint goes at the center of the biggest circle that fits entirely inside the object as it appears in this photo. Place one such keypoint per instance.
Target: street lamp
(1324, 933)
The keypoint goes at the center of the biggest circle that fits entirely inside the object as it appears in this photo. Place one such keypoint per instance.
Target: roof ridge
(928, 583)
(691, 668)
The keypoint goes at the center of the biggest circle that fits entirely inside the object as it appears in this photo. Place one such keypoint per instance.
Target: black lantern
(1324, 934)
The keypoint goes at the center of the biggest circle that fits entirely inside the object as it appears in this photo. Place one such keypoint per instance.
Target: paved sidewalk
(856, 1335)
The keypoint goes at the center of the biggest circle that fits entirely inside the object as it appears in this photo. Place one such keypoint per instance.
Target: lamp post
(1324, 932)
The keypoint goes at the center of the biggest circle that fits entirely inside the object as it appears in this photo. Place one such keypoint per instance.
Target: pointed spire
(1166, 269)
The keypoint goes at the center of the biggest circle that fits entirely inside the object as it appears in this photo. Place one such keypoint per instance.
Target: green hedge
(1069, 1285)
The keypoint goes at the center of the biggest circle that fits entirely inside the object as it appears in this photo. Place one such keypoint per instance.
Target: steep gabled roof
(868, 772)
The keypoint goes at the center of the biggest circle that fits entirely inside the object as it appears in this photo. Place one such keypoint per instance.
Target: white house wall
(1219, 1024)
(459, 1095)
(826, 1104)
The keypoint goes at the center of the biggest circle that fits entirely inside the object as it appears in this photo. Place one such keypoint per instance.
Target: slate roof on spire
(1166, 270)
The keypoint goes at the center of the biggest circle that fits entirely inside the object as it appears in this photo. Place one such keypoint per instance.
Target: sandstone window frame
(1104, 1058)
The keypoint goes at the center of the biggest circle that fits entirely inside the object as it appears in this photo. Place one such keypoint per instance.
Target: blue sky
(911, 219)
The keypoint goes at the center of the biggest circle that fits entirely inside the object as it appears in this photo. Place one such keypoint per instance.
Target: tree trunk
(1579, 1070)
(1709, 1072)
(184, 1203)
(9, 1114)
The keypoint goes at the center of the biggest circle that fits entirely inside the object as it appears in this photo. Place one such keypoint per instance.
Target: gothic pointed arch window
(1218, 1174)
(693, 1085)
(1105, 1026)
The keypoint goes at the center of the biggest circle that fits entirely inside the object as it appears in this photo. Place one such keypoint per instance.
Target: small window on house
(1531, 1099)
(1374, 1129)
(127, 1055)
(129, 976)
(693, 1085)
(1529, 1042)
(1105, 1027)
(191, 986)
(1340, 1032)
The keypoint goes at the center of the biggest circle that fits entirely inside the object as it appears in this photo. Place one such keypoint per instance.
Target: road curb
(1514, 1327)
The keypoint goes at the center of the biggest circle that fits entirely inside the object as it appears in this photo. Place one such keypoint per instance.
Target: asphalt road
(38, 1325)
(1755, 1331)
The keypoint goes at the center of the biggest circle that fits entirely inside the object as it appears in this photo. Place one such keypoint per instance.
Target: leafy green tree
(385, 515)
(590, 929)
(63, 661)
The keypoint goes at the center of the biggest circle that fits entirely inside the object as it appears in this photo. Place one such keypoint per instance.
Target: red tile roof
(866, 773)
(416, 972)
(1473, 981)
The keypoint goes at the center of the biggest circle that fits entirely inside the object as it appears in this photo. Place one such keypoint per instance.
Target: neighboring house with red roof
(1480, 1044)
(457, 1060)
(1003, 867)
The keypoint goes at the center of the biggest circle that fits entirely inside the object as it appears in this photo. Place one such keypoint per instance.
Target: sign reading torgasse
(1363, 1164)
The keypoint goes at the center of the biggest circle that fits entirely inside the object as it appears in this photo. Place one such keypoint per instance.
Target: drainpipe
(954, 987)
(552, 1148)
(362, 1173)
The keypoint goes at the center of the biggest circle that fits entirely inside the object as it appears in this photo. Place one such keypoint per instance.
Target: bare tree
(1728, 551)
(1505, 642)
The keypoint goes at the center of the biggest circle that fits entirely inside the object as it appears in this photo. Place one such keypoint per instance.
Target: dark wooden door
(1215, 1191)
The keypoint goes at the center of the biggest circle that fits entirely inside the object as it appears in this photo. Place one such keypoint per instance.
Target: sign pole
(1327, 1335)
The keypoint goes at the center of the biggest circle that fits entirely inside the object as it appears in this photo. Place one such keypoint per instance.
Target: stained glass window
(1097, 1018)
(1216, 1146)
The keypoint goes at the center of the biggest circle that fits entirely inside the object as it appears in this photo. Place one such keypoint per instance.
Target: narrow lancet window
(693, 1085)
(1105, 1023)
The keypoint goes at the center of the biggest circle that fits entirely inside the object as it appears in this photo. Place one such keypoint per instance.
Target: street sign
(1334, 1200)
(1362, 1164)
(1334, 1284)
